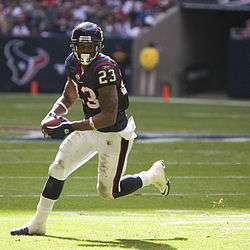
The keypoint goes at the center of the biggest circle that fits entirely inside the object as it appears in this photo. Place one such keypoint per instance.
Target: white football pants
(112, 148)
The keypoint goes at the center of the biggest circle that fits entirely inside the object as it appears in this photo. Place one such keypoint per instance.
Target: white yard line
(199, 222)
(213, 115)
(95, 177)
(20, 162)
(168, 140)
(44, 177)
(212, 177)
(212, 163)
(234, 224)
(138, 194)
(25, 150)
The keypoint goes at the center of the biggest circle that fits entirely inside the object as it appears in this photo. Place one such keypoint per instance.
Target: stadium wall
(193, 47)
(168, 36)
(208, 32)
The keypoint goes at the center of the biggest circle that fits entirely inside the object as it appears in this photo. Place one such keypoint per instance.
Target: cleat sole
(21, 231)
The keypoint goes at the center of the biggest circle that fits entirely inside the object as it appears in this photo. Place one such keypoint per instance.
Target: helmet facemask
(86, 42)
(86, 50)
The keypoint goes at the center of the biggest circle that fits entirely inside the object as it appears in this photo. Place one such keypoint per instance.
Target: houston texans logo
(23, 66)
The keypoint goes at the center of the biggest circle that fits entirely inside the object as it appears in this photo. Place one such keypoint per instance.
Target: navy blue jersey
(102, 71)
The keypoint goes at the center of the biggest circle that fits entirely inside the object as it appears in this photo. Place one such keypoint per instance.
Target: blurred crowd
(245, 32)
(124, 18)
(241, 32)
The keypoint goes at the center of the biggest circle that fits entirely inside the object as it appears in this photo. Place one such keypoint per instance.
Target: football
(53, 121)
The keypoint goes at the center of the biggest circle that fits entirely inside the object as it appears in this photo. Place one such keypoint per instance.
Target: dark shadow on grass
(62, 238)
(175, 238)
(128, 243)
(125, 243)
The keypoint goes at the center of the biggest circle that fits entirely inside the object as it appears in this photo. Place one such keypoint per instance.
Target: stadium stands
(231, 5)
(124, 18)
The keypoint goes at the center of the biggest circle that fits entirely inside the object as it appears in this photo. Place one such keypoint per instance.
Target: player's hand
(57, 127)
(60, 131)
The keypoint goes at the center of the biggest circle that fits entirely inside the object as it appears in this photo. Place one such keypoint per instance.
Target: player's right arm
(65, 101)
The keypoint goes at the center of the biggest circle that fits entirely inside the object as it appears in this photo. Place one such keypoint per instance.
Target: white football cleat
(29, 230)
(158, 177)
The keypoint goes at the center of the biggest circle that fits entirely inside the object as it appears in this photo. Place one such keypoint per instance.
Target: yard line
(210, 222)
(177, 224)
(212, 177)
(173, 177)
(168, 140)
(212, 115)
(43, 177)
(137, 194)
(204, 222)
(19, 162)
(25, 150)
(206, 163)
(170, 212)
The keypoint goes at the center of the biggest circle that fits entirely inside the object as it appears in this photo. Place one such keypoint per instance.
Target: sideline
(147, 137)
(135, 194)
(189, 100)
(199, 100)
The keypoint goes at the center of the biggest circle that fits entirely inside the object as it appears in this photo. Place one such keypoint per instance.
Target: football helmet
(86, 42)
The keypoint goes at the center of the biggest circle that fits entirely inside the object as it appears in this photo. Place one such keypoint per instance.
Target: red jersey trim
(103, 63)
(78, 69)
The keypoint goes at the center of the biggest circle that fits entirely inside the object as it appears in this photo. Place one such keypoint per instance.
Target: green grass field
(209, 203)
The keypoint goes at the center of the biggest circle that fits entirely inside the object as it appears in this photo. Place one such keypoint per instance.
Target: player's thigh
(73, 152)
(112, 163)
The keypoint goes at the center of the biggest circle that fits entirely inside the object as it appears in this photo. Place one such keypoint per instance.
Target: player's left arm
(108, 101)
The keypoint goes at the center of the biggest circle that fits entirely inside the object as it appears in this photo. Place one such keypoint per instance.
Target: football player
(105, 130)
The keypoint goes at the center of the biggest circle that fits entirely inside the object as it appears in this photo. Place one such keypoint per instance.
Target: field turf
(209, 203)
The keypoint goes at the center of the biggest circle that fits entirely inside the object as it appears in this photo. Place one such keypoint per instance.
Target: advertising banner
(23, 60)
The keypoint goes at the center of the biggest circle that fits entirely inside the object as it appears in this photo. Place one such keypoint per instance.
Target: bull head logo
(23, 66)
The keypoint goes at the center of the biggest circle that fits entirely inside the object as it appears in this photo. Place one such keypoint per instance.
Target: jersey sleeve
(107, 74)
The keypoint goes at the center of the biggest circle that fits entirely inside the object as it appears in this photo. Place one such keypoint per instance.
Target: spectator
(4, 25)
(20, 28)
(245, 33)
(123, 18)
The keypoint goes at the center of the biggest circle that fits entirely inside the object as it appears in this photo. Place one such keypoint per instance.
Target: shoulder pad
(70, 64)
(70, 60)
(104, 60)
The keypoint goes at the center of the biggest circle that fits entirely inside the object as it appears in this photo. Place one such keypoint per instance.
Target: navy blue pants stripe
(122, 157)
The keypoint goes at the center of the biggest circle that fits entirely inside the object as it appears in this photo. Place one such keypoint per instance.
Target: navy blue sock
(52, 188)
(129, 185)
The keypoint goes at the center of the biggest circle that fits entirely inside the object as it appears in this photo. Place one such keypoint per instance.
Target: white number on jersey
(92, 102)
(103, 76)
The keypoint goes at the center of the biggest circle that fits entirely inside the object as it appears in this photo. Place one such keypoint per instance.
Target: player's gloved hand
(56, 127)
(60, 131)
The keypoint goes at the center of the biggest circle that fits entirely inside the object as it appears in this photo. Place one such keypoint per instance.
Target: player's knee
(57, 170)
(104, 191)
